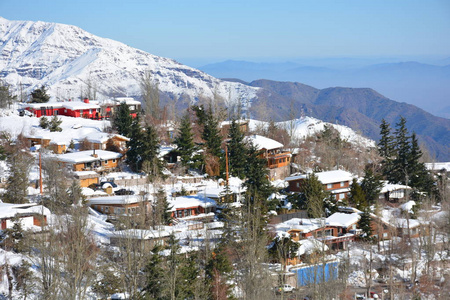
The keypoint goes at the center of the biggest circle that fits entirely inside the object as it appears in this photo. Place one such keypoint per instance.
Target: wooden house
(115, 206)
(336, 182)
(29, 215)
(278, 160)
(96, 160)
(192, 208)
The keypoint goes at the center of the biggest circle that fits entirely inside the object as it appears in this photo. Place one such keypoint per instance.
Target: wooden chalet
(336, 182)
(278, 160)
(95, 160)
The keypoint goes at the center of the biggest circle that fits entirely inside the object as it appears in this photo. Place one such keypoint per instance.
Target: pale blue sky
(254, 29)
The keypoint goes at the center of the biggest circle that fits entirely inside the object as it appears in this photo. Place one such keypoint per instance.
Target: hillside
(74, 63)
(359, 108)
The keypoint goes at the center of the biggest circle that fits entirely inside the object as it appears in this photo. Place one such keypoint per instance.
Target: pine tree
(136, 146)
(43, 122)
(152, 164)
(154, 274)
(364, 224)
(257, 181)
(218, 271)
(419, 175)
(399, 172)
(40, 95)
(122, 120)
(386, 147)
(19, 164)
(185, 141)
(210, 132)
(357, 196)
(237, 151)
(54, 124)
(314, 193)
(371, 185)
(162, 209)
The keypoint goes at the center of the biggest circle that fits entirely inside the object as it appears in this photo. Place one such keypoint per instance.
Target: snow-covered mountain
(70, 60)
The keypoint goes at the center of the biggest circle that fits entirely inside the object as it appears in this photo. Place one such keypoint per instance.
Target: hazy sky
(254, 29)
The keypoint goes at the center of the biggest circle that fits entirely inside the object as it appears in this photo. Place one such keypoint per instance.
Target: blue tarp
(316, 273)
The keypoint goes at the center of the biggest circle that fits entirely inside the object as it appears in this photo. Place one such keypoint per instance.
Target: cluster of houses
(196, 203)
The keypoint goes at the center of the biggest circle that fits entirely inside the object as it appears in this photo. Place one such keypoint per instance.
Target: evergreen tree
(400, 170)
(419, 178)
(54, 124)
(136, 146)
(364, 224)
(122, 120)
(257, 181)
(185, 141)
(371, 185)
(314, 195)
(154, 275)
(43, 122)
(40, 95)
(12, 239)
(162, 209)
(357, 196)
(218, 271)
(283, 248)
(210, 132)
(237, 151)
(386, 147)
(190, 275)
(19, 164)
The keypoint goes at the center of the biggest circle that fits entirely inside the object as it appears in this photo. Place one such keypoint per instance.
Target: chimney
(93, 154)
(86, 100)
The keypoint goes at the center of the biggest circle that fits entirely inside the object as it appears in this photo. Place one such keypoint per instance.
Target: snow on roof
(87, 156)
(262, 142)
(9, 210)
(75, 105)
(303, 225)
(389, 187)
(191, 201)
(326, 177)
(343, 219)
(127, 100)
(46, 104)
(117, 199)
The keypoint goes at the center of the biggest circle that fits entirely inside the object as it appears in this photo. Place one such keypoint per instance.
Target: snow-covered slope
(307, 126)
(70, 60)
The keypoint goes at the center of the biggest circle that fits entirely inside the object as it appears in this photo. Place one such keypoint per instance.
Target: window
(81, 112)
(385, 235)
(342, 184)
(329, 186)
(105, 162)
(298, 184)
(341, 196)
(113, 160)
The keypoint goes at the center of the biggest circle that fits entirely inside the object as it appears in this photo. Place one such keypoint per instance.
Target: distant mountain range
(424, 85)
(362, 109)
(70, 60)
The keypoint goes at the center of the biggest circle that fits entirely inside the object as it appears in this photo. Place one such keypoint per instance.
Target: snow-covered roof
(76, 105)
(127, 100)
(39, 105)
(343, 219)
(9, 210)
(303, 225)
(389, 187)
(117, 199)
(326, 177)
(262, 142)
(191, 201)
(88, 156)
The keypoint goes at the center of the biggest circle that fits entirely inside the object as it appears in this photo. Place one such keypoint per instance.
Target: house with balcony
(193, 208)
(91, 160)
(336, 182)
(278, 160)
(118, 205)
